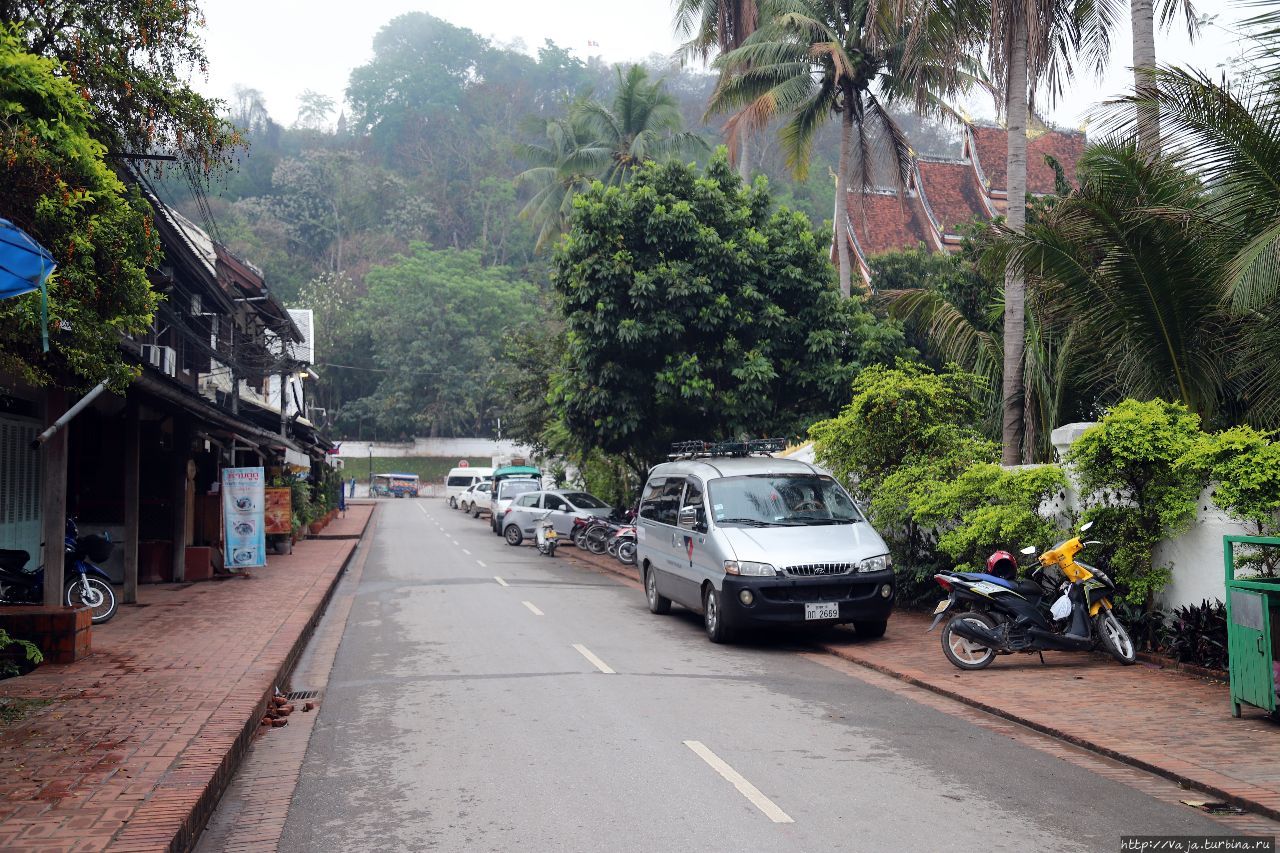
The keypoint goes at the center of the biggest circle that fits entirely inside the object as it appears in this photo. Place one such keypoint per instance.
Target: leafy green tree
(134, 61)
(855, 59)
(1243, 465)
(435, 320)
(1133, 486)
(58, 189)
(696, 310)
(314, 110)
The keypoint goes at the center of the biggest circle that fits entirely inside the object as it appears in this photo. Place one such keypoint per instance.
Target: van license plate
(821, 611)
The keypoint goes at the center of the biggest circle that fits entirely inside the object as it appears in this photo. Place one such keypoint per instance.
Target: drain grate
(302, 694)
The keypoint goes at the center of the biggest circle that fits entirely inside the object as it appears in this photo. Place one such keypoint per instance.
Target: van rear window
(465, 480)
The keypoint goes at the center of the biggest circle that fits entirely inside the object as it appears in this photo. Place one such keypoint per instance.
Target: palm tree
(855, 59)
(722, 26)
(562, 166)
(1032, 43)
(642, 123)
(1143, 25)
(599, 142)
(1122, 264)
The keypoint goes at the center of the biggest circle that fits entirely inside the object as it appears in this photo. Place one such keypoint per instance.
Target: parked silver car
(564, 505)
(757, 541)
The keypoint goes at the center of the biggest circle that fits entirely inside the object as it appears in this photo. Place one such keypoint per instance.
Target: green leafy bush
(10, 664)
(1244, 466)
(1134, 488)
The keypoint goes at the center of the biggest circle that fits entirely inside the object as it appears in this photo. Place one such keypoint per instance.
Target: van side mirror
(692, 517)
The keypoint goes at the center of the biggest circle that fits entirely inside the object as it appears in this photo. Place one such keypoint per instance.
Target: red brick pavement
(1168, 723)
(137, 741)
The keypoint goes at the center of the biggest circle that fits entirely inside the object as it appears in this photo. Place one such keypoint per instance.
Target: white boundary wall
(440, 448)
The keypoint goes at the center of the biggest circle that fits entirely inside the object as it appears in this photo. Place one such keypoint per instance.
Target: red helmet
(1002, 565)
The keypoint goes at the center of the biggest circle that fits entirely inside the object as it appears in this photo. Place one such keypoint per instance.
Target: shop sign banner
(243, 504)
(279, 521)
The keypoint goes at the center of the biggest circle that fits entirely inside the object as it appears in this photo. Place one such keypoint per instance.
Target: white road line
(751, 792)
(532, 609)
(424, 511)
(500, 581)
(465, 551)
(595, 661)
(482, 565)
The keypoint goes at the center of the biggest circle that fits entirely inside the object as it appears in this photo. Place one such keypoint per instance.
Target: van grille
(808, 570)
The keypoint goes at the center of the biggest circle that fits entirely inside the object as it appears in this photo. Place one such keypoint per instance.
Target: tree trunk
(744, 161)
(1014, 286)
(842, 205)
(1142, 19)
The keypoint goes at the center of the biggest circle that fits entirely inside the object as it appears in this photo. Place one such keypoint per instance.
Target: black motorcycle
(84, 584)
(996, 614)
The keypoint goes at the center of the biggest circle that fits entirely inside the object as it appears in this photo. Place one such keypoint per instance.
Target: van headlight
(749, 569)
(875, 564)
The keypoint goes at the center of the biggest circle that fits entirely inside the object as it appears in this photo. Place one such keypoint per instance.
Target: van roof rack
(694, 449)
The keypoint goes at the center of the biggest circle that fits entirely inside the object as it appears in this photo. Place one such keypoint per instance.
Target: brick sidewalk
(129, 748)
(1168, 723)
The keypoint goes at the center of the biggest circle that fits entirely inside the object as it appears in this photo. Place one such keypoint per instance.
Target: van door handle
(1259, 639)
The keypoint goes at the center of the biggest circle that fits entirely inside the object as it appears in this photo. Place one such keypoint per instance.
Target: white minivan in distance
(461, 479)
(756, 541)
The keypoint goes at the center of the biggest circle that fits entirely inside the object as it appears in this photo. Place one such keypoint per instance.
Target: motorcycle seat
(14, 561)
(1028, 588)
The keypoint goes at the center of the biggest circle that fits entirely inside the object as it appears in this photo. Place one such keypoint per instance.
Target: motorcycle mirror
(1084, 528)
(1029, 550)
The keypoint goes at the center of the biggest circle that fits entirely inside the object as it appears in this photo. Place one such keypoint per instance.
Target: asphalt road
(464, 713)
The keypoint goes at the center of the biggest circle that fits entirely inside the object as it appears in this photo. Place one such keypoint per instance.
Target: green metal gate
(1250, 602)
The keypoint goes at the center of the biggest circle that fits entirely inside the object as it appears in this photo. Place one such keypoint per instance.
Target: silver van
(753, 540)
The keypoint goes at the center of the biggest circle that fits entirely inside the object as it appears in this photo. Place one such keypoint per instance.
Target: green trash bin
(1253, 607)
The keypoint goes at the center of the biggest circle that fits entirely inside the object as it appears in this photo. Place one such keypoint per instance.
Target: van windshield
(780, 500)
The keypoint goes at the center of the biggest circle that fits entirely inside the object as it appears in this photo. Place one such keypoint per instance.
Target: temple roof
(883, 222)
(951, 192)
(990, 149)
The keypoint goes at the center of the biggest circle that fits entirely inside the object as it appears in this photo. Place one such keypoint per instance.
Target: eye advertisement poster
(243, 506)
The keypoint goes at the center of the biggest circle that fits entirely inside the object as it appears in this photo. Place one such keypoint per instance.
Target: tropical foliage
(59, 189)
(810, 60)
(695, 308)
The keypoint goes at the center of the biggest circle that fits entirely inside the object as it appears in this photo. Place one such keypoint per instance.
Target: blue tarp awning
(25, 266)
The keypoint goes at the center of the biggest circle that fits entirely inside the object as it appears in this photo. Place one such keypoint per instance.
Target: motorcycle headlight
(875, 564)
(749, 568)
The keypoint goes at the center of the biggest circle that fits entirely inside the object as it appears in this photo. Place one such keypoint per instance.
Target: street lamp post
(371, 469)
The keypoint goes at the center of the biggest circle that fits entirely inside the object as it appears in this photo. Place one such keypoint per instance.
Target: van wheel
(512, 534)
(713, 617)
(658, 603)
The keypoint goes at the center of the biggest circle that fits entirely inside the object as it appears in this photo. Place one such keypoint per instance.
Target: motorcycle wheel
(94, 593)
(627, 553)
(1115, 639)
(596, 541)
(963, 653)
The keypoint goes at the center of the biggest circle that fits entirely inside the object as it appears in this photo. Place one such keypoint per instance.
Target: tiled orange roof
(951, 192)
(884, 222)
(990, 149)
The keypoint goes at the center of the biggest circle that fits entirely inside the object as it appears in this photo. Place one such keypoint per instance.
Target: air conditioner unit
(163, 359)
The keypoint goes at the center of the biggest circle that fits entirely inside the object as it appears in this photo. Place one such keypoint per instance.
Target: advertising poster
(279, 512)
(243, 506)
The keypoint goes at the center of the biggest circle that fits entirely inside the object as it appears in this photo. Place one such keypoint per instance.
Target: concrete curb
(1252, 805)
(184, 839)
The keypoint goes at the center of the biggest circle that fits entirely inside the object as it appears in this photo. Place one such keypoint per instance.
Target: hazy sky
(282, 47)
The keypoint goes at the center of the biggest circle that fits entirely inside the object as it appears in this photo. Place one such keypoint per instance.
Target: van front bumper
(781, 600)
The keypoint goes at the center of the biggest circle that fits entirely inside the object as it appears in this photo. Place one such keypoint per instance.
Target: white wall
(442, 448)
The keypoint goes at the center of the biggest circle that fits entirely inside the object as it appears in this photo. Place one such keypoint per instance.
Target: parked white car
(475, 499)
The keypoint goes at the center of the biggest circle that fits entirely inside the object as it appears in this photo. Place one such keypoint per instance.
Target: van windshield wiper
(824, 521)
(753, 522)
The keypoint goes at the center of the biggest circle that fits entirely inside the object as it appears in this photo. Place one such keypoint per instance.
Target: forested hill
(396, 213)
